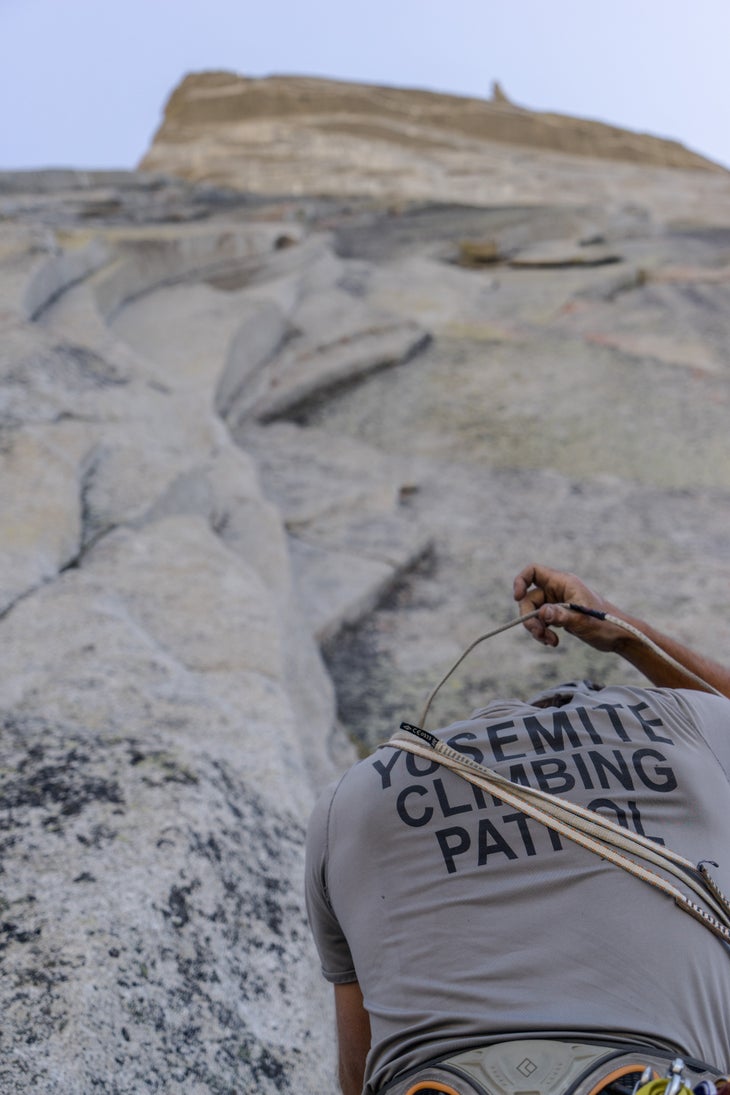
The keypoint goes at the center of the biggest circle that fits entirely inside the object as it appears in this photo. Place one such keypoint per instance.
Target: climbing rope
(585, 612)
(587, 828)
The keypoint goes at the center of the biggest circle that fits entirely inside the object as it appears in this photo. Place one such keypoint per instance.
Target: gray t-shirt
(465, 922)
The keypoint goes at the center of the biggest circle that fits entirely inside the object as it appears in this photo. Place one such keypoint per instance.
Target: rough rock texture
(238, 433)
(210, 99)
(156, 780)
(299, 135)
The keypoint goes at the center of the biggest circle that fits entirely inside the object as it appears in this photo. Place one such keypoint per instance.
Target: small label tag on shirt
(425, 735)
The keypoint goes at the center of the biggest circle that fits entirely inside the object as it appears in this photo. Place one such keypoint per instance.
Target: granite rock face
(155, 777)
(167, 718)
(306, 136)
(266, 465)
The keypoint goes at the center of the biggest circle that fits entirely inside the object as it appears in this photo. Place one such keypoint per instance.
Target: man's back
(465, 922)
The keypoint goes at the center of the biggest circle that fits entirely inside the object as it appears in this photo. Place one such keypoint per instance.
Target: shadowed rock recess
(279, 419)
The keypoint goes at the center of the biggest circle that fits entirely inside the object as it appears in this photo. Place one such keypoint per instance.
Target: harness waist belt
(542, 1066)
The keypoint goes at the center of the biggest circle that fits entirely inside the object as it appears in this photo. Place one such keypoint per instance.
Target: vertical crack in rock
(156, 749)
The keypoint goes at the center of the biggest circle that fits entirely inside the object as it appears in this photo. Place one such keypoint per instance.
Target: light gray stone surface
(236, 434)
(166, 714)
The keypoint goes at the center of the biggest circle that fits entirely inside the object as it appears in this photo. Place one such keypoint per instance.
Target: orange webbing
(433, 1085)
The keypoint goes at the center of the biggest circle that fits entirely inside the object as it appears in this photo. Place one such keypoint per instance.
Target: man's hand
(540, 587)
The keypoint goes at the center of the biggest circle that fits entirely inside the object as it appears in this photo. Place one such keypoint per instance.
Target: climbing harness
(584, 827)
(553, 1067)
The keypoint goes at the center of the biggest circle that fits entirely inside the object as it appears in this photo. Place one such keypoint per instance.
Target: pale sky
(83, 82)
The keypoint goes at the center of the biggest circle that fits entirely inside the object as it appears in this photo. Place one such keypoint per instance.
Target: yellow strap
(658, 1087)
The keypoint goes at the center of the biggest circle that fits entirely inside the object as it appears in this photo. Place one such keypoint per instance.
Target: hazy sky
(83, 82)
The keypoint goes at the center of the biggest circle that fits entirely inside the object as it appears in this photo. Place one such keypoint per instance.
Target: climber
(457, 930)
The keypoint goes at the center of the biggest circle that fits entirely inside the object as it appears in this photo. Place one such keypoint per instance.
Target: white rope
(584, 827)
(575, 608)
(662, 653)
(588, 829)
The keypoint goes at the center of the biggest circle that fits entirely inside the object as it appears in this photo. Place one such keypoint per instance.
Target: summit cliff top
(303, 135)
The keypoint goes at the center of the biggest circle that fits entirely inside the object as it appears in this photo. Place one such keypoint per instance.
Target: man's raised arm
(541, 587)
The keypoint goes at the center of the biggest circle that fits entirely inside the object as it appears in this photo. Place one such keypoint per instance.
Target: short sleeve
(334, 952)
(711, 714)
